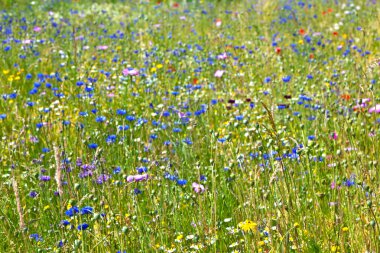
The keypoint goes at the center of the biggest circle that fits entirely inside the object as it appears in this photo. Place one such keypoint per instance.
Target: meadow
(197, 126)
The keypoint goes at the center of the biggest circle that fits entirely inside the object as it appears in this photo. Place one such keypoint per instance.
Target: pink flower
(375, 109)
(198, 188)
(222, 56)
(130, 72)
(219, 73)
(26, 41)
(102, 47)
(37, 29)
(334, 136)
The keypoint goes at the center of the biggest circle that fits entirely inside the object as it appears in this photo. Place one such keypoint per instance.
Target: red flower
(335, 33)
(195, 81)
(302, 31)
(176, 5)
(278, 50)
(311, 56)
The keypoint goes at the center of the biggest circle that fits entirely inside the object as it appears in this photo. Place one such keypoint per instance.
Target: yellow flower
(5, 71)
(345, 229)
(69, 206)
(153, 69)
(46, 207)
(247, 225)
(261, 243)
(160, 66)
(179, 238)
(296, 225)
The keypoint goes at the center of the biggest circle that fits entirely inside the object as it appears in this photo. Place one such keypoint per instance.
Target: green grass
(275, 180)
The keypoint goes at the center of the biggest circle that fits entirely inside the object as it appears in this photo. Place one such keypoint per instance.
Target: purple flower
(198, 188)
(375, 109)
(44, 178)
(137, 178)
(33, 194)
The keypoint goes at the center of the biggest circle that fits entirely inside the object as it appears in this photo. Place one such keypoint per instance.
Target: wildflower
(286, 79)
(198, 188)
(247, 225)
(181, 182)
(137, 178)
(218, 22)
(222, 56)
(72, 211)
(131, 72)
(45, 178)
(65, 223)
(93, 145)
(219, 73)
(33, 194)
(86, 210)
(35, 237)
(83, 226)
(375, 109)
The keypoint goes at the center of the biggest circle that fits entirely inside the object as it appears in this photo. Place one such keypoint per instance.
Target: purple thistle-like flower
(33, 194)
(44, 178)
(102, 178)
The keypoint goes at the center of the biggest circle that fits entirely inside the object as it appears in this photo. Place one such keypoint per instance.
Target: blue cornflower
(111, 138)
(117, 170)
(93, 145)
(83, 226)
(181, 182)
(137, 191)
(65, 223)
(141, 170)
(286, 79)
(72, 211)
(33, 194)
(121, 112)
(101, 119)
(86, 210)
(36, 237)
(130, 118)
(176, 130)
